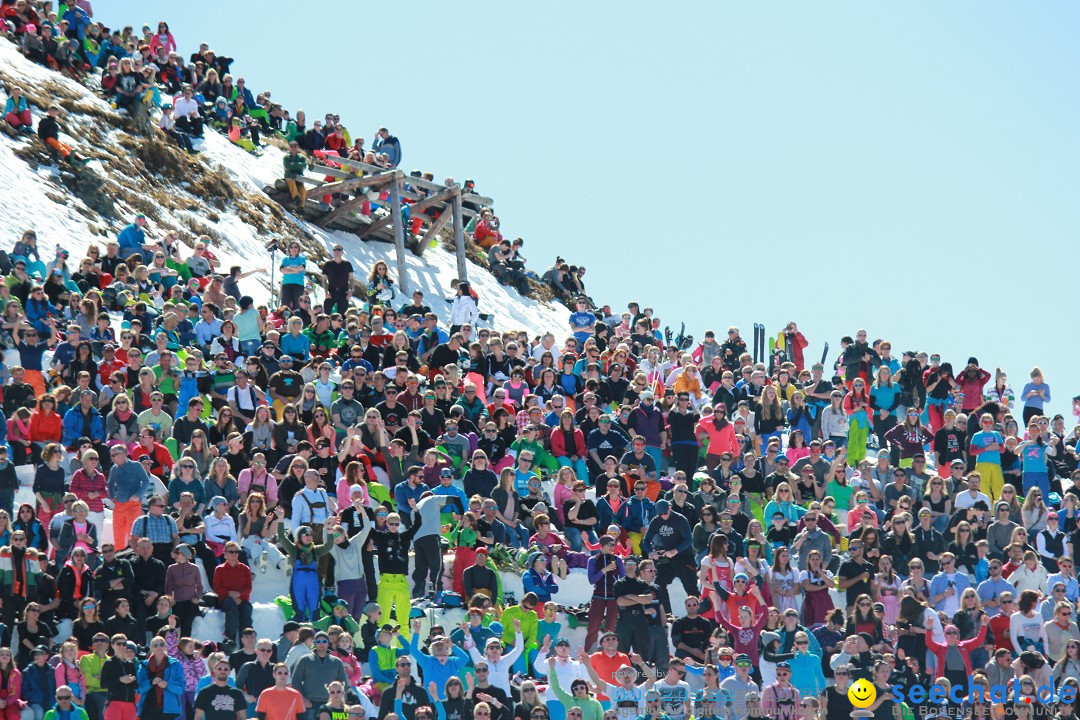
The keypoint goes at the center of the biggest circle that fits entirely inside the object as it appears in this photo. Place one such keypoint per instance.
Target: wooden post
(399, 232)
(433, 232)
(459, 238)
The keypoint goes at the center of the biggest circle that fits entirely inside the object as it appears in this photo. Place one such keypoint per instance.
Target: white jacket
(833, 424)
(464, 311)
(498, 671)
(182, 107)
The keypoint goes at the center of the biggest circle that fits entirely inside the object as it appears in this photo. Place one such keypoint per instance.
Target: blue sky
(909, 168)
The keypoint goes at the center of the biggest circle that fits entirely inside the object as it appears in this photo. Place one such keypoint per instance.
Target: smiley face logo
(862, 693)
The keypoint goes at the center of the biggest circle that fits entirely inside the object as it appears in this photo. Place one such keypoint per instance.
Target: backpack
(251, 390)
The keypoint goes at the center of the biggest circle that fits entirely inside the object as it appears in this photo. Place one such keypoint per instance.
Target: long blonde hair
(771, 410)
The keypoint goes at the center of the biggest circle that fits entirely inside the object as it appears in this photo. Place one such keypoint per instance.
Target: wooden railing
(355, 179)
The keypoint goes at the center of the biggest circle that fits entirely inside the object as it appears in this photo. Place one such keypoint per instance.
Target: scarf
(124, 415)
(156, 669)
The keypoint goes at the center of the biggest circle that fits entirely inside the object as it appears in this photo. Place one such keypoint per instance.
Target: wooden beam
(399, 234)
(416, 207)
(331, 171)
(417, 182)
(431, 200)
(433, 231)
(459, 239)
(349, 186)
(380, 223)
(343, 209)
(327, 170)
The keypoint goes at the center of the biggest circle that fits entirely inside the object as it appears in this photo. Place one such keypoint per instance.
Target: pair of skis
(759, 343)
(774, 344)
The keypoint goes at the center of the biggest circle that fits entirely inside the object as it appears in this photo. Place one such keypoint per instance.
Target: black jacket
(111, 672)
(48, 128)
(149, 576)
(412, 697)
(392, 549)
(926, 542)
(68, 582)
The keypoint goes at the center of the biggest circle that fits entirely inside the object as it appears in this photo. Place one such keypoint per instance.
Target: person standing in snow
(292, 276)
(464, 310)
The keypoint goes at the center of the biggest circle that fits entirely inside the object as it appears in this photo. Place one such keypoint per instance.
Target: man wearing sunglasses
(781, 699)
(669, 541)
(91, 665)
(315, 671)
(735, 690)
(280, 702)
(405, 689)
(219, 700)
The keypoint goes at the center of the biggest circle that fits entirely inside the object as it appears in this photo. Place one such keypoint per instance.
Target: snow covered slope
(241, 225)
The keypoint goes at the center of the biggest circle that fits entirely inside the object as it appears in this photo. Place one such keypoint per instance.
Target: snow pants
(394, 591)
(305, 591)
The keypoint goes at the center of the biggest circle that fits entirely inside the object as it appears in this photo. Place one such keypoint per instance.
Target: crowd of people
(144, 70)
(886, 517)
